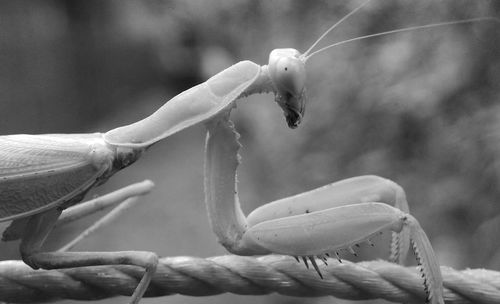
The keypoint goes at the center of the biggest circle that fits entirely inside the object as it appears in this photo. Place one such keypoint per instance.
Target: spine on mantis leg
(427, 261)
(221, 197)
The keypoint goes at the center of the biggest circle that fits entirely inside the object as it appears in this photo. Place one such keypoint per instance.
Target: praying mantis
(44, 174)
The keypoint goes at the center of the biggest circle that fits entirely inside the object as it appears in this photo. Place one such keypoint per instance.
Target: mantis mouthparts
(293, 108)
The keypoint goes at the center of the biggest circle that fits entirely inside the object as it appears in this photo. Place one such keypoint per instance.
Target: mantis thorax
(125, 156)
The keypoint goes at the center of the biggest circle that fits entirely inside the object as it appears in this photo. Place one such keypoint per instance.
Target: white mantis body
(41, 175)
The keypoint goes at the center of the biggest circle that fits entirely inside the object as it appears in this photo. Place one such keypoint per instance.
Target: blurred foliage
(420, 108)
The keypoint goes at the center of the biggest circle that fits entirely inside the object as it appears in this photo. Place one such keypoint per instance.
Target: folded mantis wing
(39, 172)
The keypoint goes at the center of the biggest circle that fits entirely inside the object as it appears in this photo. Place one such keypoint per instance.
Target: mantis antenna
(333, 27)
(305, 57)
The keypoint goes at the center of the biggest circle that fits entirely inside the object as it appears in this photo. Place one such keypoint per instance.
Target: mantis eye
(288, 75)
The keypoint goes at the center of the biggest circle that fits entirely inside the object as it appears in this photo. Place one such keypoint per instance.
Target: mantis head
(288, 74)
(287, 66)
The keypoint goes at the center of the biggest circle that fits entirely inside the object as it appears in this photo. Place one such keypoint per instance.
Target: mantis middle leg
(40, 225)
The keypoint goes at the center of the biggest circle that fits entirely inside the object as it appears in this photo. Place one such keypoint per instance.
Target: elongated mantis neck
(197, 105)
(262, 84)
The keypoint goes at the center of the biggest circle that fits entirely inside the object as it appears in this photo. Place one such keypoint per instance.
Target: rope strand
(246, 276)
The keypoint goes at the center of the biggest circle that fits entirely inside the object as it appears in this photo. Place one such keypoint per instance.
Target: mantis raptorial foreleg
(312, 224)
(355, 190)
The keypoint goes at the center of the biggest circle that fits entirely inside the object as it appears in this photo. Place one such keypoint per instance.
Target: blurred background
(420, 108)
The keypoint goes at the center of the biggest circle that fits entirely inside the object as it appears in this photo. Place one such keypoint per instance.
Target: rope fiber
(245, 276)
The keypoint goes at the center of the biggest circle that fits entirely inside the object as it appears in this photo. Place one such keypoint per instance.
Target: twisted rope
(246, 276)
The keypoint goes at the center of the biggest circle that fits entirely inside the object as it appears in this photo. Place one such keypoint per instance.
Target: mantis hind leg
(40, 225)
(355, 190)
